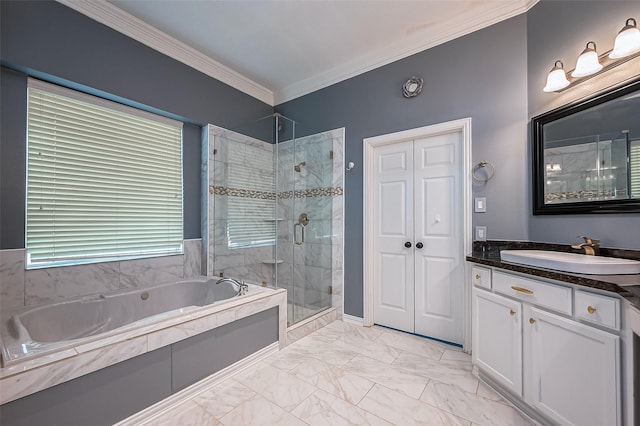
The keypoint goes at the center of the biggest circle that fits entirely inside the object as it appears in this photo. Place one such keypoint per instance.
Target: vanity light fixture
(557, 79)
(589, 63)
(627, 41)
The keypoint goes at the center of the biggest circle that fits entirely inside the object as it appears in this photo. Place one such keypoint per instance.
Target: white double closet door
(419, 241)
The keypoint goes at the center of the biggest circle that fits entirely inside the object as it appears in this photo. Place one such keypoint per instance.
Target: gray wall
(560, 30)
(50, 41)
(482, 76)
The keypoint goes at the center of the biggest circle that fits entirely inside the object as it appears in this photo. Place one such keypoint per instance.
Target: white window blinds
(251, 203)
(104, 181)
(634, 164)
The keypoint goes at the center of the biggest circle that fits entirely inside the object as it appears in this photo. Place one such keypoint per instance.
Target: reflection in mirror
(587, 155)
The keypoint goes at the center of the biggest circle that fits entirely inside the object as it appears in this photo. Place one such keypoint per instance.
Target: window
(104, 181)
(251, 201)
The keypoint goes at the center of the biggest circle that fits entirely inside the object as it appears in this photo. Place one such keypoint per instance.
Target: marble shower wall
(20, 287)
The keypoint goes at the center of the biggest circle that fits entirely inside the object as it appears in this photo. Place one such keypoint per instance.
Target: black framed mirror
(586, 155)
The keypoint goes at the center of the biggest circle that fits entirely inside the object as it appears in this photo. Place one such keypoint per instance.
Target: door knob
(407, 244)
(419, 245)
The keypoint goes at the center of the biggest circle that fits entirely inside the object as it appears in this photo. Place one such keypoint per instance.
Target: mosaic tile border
(264, 195)
(315, 192)
(239, 192)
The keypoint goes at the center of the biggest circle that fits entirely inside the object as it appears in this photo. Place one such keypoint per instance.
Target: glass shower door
(306, 206)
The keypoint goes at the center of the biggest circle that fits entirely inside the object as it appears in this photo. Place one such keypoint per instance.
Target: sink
(571, 262)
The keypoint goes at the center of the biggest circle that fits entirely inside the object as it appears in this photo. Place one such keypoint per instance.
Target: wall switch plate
(480, 204)
(481, 233)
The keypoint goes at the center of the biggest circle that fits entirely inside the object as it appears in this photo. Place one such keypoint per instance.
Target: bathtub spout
(242, 287)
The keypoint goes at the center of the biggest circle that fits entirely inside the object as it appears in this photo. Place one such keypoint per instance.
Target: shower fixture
(297, 168)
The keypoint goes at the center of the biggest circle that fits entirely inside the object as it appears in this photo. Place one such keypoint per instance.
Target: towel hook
(482, 164)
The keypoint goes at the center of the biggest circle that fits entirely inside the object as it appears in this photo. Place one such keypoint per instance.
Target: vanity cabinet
(571, 369)
(497, 338)
(528, 341)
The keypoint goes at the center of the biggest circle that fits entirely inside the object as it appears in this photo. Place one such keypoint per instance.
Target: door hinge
(331, 155)
(330, 289)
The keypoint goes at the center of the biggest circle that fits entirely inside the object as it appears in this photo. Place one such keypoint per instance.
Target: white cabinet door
(497, 338)
(571, 370)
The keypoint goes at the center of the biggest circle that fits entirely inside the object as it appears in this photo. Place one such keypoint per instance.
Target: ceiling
(280, 50)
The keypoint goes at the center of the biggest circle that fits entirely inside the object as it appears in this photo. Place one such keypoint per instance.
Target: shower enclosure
(275, 210)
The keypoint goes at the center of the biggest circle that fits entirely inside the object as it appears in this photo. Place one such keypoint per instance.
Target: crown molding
(127, 24)
(465, 24)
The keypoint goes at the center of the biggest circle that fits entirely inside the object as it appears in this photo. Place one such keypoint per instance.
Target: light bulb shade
(588, 62)
(557, 79)
(627, 41)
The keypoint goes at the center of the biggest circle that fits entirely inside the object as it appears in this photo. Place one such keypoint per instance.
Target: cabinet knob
(512, 312)
(419, 245)
(591, 309)
(477, 276)
(532, 321)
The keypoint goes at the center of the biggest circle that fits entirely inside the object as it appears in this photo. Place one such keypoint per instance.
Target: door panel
(393, 161)
(439, 226)
(438, 155)
(392, 271)
(437, 296)
(392, 207)
(438, 221)
(393, 198)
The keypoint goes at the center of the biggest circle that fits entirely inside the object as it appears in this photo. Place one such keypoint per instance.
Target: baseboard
(150, 415)
(350, 319)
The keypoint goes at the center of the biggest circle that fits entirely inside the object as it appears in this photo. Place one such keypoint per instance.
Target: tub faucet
(242, 287)
(589, 246)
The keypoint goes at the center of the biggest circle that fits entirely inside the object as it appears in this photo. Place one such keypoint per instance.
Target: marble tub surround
(20, 287)
(85, 356)
(12, 275)
(627, 286)
(335, 376)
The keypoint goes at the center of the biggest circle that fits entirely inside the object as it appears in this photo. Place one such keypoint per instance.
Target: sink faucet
(590, 245)
(242, 287)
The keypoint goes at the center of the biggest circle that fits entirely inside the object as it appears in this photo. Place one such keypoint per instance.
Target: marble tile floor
(344, 374)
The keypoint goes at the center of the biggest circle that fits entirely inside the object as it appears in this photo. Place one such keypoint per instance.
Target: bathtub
(35, 331)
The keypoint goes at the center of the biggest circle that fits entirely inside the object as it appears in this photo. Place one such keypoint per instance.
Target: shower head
(297, 168)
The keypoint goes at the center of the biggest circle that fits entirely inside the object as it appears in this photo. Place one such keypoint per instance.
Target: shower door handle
(298, 242)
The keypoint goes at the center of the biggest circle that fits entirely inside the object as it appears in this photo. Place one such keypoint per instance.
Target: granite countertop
(627, 286)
